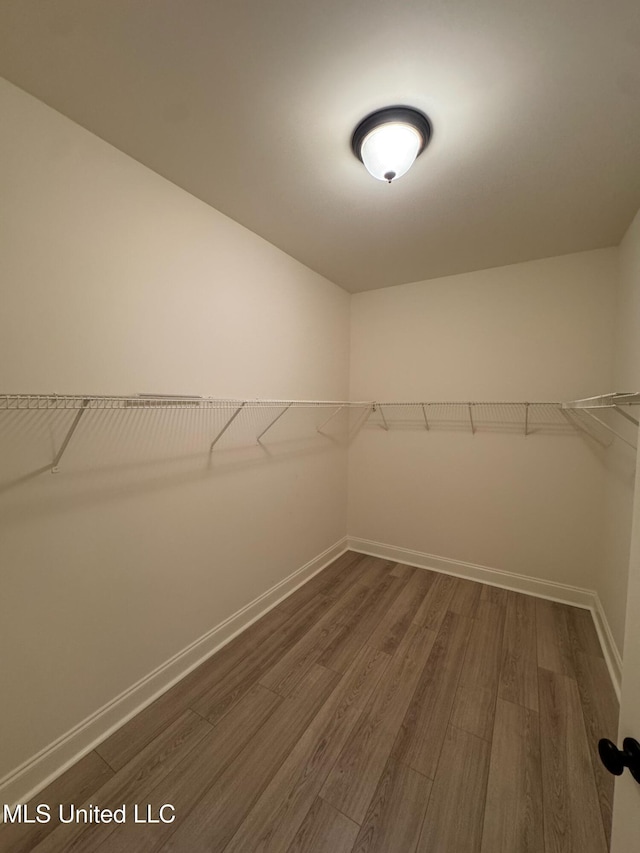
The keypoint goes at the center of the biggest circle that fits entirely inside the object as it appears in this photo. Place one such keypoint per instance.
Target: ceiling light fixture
(389, 140)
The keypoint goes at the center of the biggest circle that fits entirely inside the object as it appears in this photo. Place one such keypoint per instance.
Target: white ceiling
(250, 105)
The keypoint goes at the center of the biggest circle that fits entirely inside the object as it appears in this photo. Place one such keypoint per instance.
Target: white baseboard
(21, 784)
(609, 647)
(574, 595)
(471, 571)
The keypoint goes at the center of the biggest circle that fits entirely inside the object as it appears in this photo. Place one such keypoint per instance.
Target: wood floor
(378, 708)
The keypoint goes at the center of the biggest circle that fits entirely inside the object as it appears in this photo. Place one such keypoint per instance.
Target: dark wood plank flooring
(378, 709)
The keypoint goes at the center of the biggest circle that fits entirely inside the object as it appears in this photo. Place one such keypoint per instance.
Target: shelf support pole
(626, 415)
(56, 462)
(574, 421)
(473, 429)
(610, 429)
(424, 413)
(227, 425)
(384, 420)
(275, 420)
(330, 418)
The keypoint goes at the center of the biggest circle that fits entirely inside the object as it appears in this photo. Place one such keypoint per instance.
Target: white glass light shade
(389, 150)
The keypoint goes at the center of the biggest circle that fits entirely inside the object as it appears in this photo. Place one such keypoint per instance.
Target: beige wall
(621, 459)
(533, 331)
(112, 280)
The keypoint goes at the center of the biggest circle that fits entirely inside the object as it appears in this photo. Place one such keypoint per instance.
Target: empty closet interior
(194, 424)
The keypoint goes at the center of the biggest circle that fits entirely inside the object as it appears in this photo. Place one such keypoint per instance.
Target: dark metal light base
(407, 115)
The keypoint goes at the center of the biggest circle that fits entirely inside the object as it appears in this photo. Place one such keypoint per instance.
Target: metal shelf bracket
(56, 462)
(275, 420)
(227, 425)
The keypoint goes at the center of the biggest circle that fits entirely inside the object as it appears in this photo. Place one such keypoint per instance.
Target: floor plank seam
(449, 723)
(539, 727)
(493, 729)
(277, 769)
(102, 758)
(352, 819)
(354, 728)
(202, 717)
(586, 730)
(206, 788)
(373, 628)
(454, 693)
(413, 769)
(458, 728)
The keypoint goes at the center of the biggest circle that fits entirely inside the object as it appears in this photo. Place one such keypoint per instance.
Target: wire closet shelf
(82, 403)
(155, 401)
(615, 401)
(232, 408)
